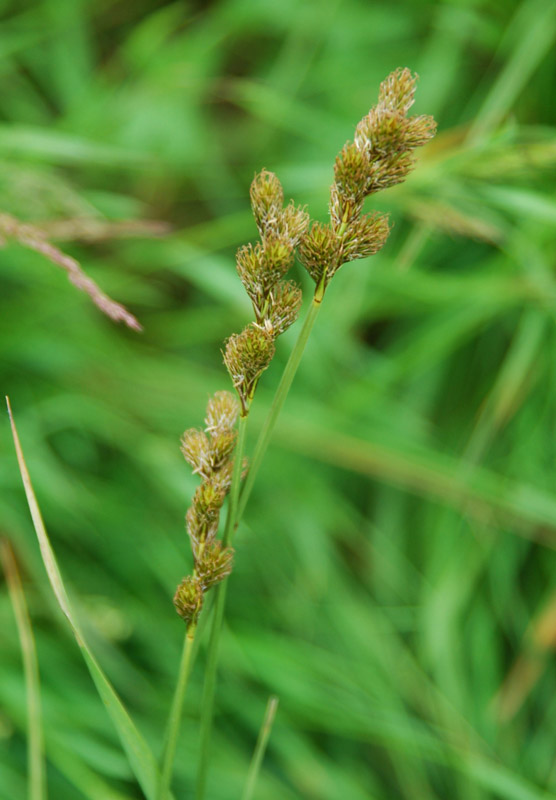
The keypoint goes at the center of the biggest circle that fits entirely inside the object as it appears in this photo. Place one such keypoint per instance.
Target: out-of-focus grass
(394, 575)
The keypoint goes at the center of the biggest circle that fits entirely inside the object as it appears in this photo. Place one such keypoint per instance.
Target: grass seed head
(319, 250)
(195, 447)
(294, 222)
(381, 155)
(246, 356)
(222, 413)
(283, 308)
(214, 565)
(397, 91)
(267, 199)
(188, 599)
(366, 237)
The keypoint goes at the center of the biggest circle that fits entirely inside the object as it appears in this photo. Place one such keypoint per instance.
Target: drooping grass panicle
(380, 155)
(262, 268)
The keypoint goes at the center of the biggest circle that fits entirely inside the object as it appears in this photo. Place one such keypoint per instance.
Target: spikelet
(214, 565)
(210, 454)
(365, 237)
(319, 251)
(261, 268)
(381, 155)
(195, 447)
(188, 599)
(246, 356)
(267, 199)
(222, 413)
(283, 308)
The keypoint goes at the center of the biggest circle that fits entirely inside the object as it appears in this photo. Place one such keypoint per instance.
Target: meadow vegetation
(393, 580)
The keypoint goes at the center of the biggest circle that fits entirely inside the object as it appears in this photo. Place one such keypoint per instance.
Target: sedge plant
(381, 155)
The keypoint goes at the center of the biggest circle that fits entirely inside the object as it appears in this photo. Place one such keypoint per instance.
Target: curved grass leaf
(140, 757)
(35, 739)
(260, 748)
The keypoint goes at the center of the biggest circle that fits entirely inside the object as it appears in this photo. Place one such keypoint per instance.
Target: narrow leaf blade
(35, 759)
(140, 757)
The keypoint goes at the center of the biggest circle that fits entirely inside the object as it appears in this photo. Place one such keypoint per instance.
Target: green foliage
(393, 579)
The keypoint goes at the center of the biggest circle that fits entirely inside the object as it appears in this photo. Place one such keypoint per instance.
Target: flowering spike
(222, 413)
(283, 308)
(380, 155)
(196, 450)
(188, 599)
(397, 91)
(214, 565)
(267, 199)
(247, 355)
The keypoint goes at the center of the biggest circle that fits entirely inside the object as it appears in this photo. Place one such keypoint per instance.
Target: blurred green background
(395, 580)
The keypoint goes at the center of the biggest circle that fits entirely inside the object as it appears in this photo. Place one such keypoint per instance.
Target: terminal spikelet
(381, 155)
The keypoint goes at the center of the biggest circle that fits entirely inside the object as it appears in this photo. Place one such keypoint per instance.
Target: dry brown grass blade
(34, 239)
(99, 230)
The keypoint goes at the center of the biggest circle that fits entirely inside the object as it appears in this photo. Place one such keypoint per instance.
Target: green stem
(278, 402)
(236, 481)
(235, 512)
(260, 749)
(174, 719)
(207, 707)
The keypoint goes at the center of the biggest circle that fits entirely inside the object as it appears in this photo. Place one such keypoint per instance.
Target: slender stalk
(207, 707)
(235, 511)
(260, 748)
(277, 404)
(35, 743)
(236, 481)
(174, 719)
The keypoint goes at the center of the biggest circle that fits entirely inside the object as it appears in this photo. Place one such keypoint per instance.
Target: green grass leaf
(139, 754)
(35, 747)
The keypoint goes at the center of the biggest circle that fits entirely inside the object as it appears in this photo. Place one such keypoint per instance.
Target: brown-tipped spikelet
(247, 355)
(397, 91)
(210, 454)
(294, 223)
(277, 258)
(203, 516)
(267, 199)
(222, 413)
(262, 268)
(251, 271)
(195, 447)
(283, 307)
(350, 173)
(222, 446)
(319, 250)
(380, 155)
(214, 565)
(188, 599)
(366, 236)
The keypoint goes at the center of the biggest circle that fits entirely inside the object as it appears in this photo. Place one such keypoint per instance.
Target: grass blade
(35, 740)
(534, 31)
(260, 748)
(140, 757)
